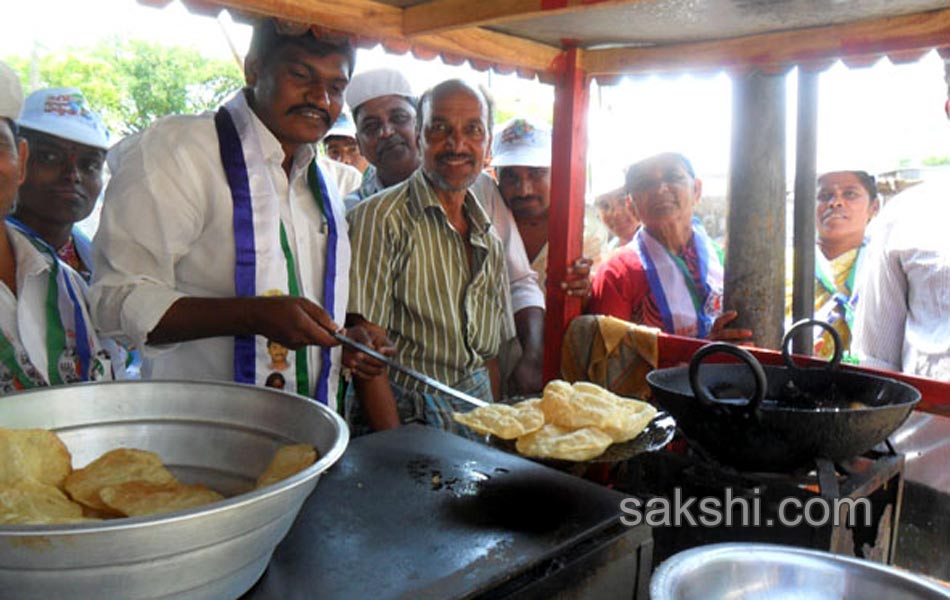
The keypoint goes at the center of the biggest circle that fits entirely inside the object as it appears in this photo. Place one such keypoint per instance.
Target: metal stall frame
(571, 42)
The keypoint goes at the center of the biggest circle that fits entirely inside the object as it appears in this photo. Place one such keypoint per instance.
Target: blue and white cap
(343, 126)
(65, 113)
(521, 142)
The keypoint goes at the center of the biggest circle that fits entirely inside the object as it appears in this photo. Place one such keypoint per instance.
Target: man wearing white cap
(384, 111)
(339, 163)
(221, 238)
(68, 144)
(340, 145)
(521, 155)
(46, 334)
(384, 108)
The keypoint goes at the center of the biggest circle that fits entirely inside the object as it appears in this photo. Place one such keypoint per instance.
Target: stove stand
(876, 476)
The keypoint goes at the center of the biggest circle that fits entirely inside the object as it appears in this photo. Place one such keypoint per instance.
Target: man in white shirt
(221, 237)
(46, 335)
(902, 321)
(384, 109)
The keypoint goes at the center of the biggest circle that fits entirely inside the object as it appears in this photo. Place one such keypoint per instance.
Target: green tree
(936, 161)
(133, 83)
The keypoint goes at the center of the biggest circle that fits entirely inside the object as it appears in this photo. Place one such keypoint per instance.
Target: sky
(872, 118)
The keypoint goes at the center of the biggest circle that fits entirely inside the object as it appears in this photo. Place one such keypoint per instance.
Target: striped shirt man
(411, 275)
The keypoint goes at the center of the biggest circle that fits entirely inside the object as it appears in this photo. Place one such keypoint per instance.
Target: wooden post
(755, 253)
(566, 222)
(803, 295)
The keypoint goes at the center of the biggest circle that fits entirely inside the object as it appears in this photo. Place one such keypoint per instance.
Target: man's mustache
(324, 113)
(393, 141)
(454, 156)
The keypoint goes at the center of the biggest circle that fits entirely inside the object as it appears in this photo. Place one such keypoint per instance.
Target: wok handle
(702, 392)
(835, 338)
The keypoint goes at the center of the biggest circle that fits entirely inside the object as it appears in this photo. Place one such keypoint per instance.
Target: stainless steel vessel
(746, 571)
(219, 434)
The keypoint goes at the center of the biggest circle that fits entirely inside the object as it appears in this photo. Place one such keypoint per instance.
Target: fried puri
(632, 417)
(588, 408)
(141, 498)
(501, 420)
(35, 454)
(112, 468)
(287, 461)
(556, 442)
(28, 502)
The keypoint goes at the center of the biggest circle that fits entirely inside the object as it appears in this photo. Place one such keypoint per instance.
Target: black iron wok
(779, 419)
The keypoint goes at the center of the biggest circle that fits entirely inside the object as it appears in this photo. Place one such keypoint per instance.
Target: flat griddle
(418, 513)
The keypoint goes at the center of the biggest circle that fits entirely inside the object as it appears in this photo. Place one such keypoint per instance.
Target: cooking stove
(866, 530)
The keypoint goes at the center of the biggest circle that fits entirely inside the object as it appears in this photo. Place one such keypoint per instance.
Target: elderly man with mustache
(433, 272)
(384, 107)
(220, 234)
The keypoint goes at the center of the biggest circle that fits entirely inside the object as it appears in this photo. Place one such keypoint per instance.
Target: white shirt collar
(29, 260)
(270, 145)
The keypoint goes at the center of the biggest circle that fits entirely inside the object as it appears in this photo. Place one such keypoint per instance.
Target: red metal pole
(566, 221)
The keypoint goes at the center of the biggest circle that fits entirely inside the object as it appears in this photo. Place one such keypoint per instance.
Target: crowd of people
(230, 249)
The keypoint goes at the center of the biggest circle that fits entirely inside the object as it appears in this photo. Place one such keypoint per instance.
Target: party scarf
(265, 264)
(66, 362)
(684, 309)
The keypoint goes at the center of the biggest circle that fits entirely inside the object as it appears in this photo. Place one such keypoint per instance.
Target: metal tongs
(433, 383)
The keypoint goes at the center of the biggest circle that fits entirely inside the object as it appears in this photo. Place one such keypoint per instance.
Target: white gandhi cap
(376, 83)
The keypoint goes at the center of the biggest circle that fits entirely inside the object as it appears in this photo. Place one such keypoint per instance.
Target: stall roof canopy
(618, 37)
